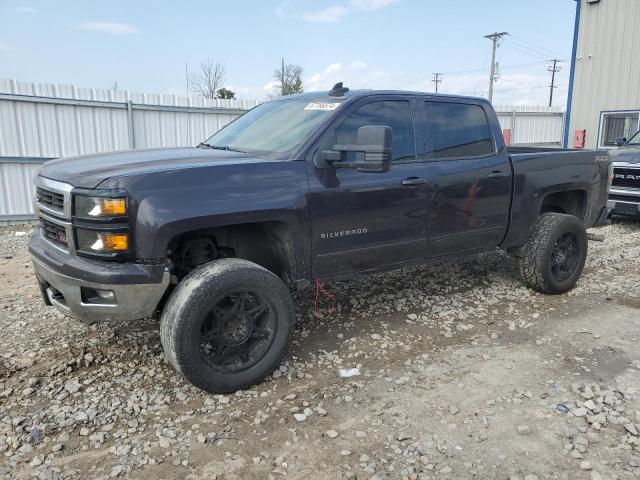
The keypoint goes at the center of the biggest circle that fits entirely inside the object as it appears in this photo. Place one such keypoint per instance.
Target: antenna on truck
(338, 90)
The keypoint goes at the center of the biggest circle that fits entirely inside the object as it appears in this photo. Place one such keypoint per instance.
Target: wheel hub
(564, 256)
(237, 330)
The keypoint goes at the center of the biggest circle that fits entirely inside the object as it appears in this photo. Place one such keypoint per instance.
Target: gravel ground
(461, 373)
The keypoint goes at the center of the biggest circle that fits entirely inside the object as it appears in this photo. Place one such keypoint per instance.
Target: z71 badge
(343, 233)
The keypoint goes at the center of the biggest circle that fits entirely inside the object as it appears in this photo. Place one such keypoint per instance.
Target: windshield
(273, 129)
(635, 140)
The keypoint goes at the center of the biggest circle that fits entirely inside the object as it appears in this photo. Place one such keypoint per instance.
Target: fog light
(97, 296)
(106, 294)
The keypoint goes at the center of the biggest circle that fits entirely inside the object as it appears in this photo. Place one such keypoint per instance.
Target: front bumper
(64, 278)
(628, 205)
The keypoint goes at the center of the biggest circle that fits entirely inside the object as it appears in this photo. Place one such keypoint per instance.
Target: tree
(225, 93)
(290, 78)
(209, 80)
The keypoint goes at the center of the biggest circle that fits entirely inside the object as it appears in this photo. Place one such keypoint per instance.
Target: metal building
(604, 88)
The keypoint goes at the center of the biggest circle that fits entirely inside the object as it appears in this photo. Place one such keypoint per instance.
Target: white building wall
(607, 68)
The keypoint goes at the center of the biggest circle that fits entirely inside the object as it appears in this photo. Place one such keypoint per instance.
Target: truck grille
(626, 177)
(624, 198)
(54, 232)
(49, 199)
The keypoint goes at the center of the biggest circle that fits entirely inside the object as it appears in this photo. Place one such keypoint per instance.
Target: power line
(533, 46)
(494, 37)
(503, 67)
(524, 51)
(437, 79)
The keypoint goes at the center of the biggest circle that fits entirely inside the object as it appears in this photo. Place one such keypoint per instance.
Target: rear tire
(227, 325)
(553, 258)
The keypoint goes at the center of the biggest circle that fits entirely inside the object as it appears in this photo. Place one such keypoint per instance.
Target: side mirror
(372, 148)
(620, 141)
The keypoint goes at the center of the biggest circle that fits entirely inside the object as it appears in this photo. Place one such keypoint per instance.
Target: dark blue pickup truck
(213, 239)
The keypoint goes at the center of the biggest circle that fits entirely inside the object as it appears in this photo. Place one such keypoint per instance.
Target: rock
(600, 418)
(360, 434)
(587, 393)
(580, 443)
(590, 404)
(117, 470)
(631, 428)
(72, 386)
(345, 452)
(331, 434)
(36, 435)
(585, 465)
(453, 410)
(524, 430)
(308, 412)
(579, 412)
(202, 438)
(375, 336)
(401, 437)
(300, 417)
(57, 447)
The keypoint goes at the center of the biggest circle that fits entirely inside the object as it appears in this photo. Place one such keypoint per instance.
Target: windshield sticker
(322, 106)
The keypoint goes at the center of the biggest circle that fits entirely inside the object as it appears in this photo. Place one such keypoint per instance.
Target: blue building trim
(576, 29)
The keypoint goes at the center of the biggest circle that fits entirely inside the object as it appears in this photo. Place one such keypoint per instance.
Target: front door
(364, 221)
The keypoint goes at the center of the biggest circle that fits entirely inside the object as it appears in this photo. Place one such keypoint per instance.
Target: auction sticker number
(322, 106)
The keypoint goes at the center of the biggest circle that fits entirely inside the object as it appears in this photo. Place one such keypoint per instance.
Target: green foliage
(225, 93)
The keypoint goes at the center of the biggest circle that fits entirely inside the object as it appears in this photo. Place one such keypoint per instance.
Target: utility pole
(437, 79)
(494, 37)
(553, 69)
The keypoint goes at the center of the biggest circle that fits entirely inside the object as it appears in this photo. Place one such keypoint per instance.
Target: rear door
(468, 174)
(364, 221)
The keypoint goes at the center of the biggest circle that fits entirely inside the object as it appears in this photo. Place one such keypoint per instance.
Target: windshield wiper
(219, 147)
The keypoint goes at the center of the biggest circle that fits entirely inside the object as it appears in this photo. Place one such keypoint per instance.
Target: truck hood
(626, 155)
(88, 171)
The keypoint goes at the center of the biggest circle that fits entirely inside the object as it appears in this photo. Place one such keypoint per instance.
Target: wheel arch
(570, 202)
(267, 243)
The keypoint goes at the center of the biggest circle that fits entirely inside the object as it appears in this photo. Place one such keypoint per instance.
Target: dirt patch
(464, 373)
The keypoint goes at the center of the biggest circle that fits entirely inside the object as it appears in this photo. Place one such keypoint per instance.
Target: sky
(143, 45)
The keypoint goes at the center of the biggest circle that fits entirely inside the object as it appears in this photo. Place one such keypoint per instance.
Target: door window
(393, 113)
(457, 130)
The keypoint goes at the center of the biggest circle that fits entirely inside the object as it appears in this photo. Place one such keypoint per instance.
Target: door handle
(497, 174)
(413, 181)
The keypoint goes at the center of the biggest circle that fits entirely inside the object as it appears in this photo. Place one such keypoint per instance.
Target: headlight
(96, 207)
(93, 241)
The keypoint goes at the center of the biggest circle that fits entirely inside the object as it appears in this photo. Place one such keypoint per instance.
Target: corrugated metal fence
(42, 121)
(532, 125)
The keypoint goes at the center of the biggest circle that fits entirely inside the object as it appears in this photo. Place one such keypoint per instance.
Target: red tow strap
(321, 290)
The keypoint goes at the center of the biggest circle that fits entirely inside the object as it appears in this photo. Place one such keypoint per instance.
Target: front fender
(171, 203)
